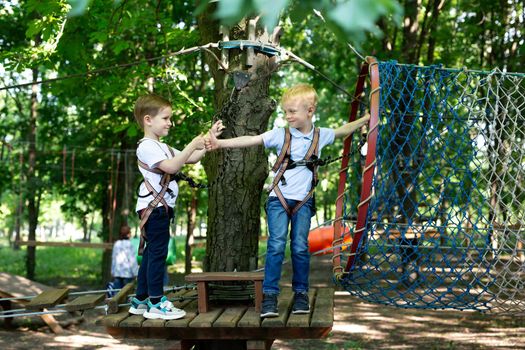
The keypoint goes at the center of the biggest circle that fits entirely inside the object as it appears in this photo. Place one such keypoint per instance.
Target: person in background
(124, 267)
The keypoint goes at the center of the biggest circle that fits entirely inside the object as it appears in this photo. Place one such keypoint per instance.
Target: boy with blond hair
(290, 200)
(157, 195)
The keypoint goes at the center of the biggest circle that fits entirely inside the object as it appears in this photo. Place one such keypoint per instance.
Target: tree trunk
(410, 32)
(191, 215)
(31, 180)
(237, 175)
(436, 11)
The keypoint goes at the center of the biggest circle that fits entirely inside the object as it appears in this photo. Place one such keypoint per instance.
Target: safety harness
(284, 162)
(158, 197)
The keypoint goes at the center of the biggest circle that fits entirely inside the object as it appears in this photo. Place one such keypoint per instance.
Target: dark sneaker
(269, 306)
(301, 304)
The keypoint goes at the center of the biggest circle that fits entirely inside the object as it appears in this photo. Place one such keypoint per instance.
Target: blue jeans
(151, 270)
(278, 222)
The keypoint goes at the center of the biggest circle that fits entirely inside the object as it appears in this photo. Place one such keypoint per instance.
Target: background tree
(87, 120)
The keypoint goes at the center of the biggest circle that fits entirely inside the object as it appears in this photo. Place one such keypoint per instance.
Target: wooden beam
(48, 298)
(225, 276)
(121, 296)
(85, 302)
(66, 244)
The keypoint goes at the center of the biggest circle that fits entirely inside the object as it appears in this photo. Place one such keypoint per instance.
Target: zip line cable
(119, 66)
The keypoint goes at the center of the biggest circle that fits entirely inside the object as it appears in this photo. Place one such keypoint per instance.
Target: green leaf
(231, 11)
(270, 11)
(78, 7)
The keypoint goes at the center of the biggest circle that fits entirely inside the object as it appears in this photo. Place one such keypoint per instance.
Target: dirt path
(357, 325)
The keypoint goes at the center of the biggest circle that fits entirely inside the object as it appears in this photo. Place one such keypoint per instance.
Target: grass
(57, 266)
(81, 267)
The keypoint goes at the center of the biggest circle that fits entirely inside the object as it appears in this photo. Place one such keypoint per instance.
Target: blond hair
(149, 105)
(306, 91)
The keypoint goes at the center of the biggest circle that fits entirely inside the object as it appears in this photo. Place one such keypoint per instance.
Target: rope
(445, 223)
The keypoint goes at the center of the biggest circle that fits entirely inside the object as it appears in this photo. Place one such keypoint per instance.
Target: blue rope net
(445, 225)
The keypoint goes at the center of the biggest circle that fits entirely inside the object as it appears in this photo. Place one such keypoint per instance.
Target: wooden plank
(251, 318)
(202, 294)
(121, 296)
(323, 315)
(48, 298)
(154, 323)
(191, 313)
(205, 320)
(14, 286)
(225, 276)
(258, 295)
(85, 302)
(132, 321)
(283, 306)
(106, 246)
(230, 317)
(52, 323)
(303, 320)
(114, 320)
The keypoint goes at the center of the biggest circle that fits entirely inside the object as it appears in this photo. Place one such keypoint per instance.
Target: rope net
(445, 224)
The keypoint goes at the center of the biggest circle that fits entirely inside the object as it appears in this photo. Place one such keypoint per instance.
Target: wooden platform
(13, 286)
(232, 322)
(202, 279)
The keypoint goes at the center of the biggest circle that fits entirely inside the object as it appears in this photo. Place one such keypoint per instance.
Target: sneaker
(269, 306)
(163, 310)
(138, 307)
(301, 304)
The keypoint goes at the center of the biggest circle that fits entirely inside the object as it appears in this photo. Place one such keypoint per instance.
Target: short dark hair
(125, 232)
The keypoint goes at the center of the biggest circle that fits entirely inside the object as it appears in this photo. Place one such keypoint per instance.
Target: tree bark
(237, 175)
(191, 216)
(410, 31)
(32, 206)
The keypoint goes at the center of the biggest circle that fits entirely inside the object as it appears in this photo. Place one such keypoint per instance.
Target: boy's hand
(364, 119)
(217, 128)
(211, 141)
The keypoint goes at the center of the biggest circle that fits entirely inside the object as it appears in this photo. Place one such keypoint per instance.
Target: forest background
(70, 72)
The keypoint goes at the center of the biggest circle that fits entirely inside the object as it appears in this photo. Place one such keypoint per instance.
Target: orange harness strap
(282, 164)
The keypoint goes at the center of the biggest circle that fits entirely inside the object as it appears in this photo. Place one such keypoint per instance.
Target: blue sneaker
(269, 306)
(301, 304)
(163, 310)
(138, 307)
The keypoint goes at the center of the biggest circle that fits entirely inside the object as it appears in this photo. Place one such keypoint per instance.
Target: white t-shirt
(299, 179)
(124, 260)
(153, 152)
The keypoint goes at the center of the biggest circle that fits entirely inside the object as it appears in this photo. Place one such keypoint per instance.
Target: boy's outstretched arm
(212, 142)
(171, 166)
(349, 128)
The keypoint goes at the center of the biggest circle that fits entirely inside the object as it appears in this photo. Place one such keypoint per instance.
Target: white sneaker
(138, 307)
(163, 310)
